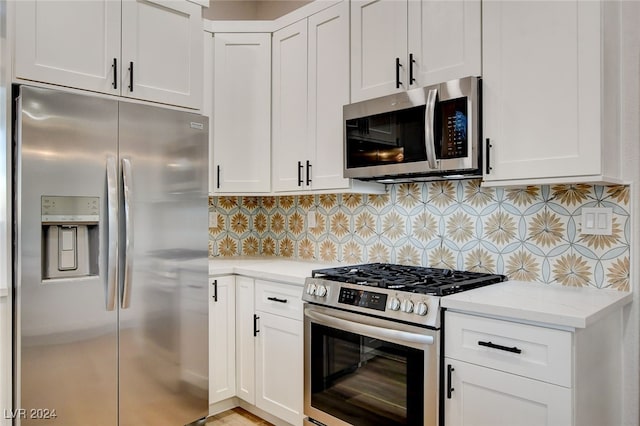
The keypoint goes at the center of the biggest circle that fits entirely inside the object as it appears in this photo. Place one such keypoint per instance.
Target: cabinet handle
(131, 76)
(115, 73)
(300, 173)
(275, 299)
(218, 176)
(308, 173)
(488, 146)
(411, 62)
(450, 389)
(398, 66)
(255, 325)
(514, 349)
(215, 290)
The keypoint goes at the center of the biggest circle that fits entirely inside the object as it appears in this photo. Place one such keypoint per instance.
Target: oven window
(365, 381)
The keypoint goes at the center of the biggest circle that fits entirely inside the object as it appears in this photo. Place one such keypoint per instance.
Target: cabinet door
(378, 39)
(245, 340)
(482, 396)
(222, 338)
(69, 43)
(162, 56)
(328, 89)
(444, 40)
(242, 112)
(279, 367)
(541, 88)
(290, 152)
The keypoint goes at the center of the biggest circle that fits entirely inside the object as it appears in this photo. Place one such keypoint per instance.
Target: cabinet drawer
(536, 352)
(279, 299)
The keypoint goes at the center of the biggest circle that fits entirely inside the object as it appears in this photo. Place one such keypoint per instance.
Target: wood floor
(236, 417)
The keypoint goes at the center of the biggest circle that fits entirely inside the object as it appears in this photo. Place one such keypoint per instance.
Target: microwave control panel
(454, 128)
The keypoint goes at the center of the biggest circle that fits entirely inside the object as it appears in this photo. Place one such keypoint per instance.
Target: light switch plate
(311, 219)
(213, 219)
(597, 220)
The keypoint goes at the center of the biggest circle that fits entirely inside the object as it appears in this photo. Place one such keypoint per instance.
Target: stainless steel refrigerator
(110, 274)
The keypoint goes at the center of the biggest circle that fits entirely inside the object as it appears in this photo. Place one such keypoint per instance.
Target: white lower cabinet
(510, 373)
(222, 338)
(269, 347)
(482, 396)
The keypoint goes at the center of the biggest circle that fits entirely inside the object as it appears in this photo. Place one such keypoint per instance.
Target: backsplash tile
(530, 233)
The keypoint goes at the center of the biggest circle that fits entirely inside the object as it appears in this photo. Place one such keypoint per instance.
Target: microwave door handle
(429, 131)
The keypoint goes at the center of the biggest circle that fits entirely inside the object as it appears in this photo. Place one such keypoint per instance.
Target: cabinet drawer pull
(411, 62)
(131, 76)
(275, 299)
(450, 389)
(309, 172)
(488, 147)
(115, 73)
(215, 290)
(514, 349)
(255, 325)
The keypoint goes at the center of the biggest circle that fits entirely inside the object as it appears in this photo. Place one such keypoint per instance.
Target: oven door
(361, 370)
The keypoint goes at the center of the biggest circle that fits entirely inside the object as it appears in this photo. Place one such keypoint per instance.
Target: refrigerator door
(163, 315)
(65, 207)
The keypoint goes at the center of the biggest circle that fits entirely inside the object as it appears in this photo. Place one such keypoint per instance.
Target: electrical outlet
(597, 220)
(311, 219)
(213, 219)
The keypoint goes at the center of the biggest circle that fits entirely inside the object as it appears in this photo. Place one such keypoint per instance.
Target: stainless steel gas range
(373, 343)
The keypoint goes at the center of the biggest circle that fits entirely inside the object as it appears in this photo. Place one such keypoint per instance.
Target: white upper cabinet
(290, 147)
(91, 45)
(241, 113)
(444, 40)
(401, 44)
(69, 43)
(549, 74)
(378, 48)
(162, 51)
(310, 87)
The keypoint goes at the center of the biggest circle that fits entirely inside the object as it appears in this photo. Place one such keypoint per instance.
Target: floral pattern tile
(530, 233)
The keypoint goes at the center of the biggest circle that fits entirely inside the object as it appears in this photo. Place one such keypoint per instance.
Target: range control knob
(321, 290)
(407, 306)
(422, 308)
(394, 304)
(311, 289)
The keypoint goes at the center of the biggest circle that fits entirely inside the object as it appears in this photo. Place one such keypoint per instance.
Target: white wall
(630, 134)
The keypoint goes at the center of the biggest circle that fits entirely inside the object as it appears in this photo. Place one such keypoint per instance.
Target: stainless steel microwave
(421, 134)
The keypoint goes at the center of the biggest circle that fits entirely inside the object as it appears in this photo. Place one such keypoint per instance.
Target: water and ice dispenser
(70, 236)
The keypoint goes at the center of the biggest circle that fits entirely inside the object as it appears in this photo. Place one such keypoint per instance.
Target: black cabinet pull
(215, 290)
(218, 176)
(514, 349)
(411, 62)
(308, 173)
(275, 299)
(398, 66)
(488, 147)
(131, 76)
(450, 389)
(115, 73)
(255, 325)
(300, 173)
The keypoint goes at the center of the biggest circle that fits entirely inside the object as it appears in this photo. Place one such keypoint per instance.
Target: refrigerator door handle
(112, 218)
(128, 232)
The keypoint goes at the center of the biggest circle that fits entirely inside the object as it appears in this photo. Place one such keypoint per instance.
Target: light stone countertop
(551, 304)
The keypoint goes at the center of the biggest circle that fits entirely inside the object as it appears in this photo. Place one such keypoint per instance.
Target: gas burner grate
(415, 279)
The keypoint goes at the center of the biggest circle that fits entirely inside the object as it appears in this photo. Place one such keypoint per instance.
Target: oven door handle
(369, 330)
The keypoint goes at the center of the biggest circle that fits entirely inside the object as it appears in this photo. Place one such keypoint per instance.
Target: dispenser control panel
(56, 209)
